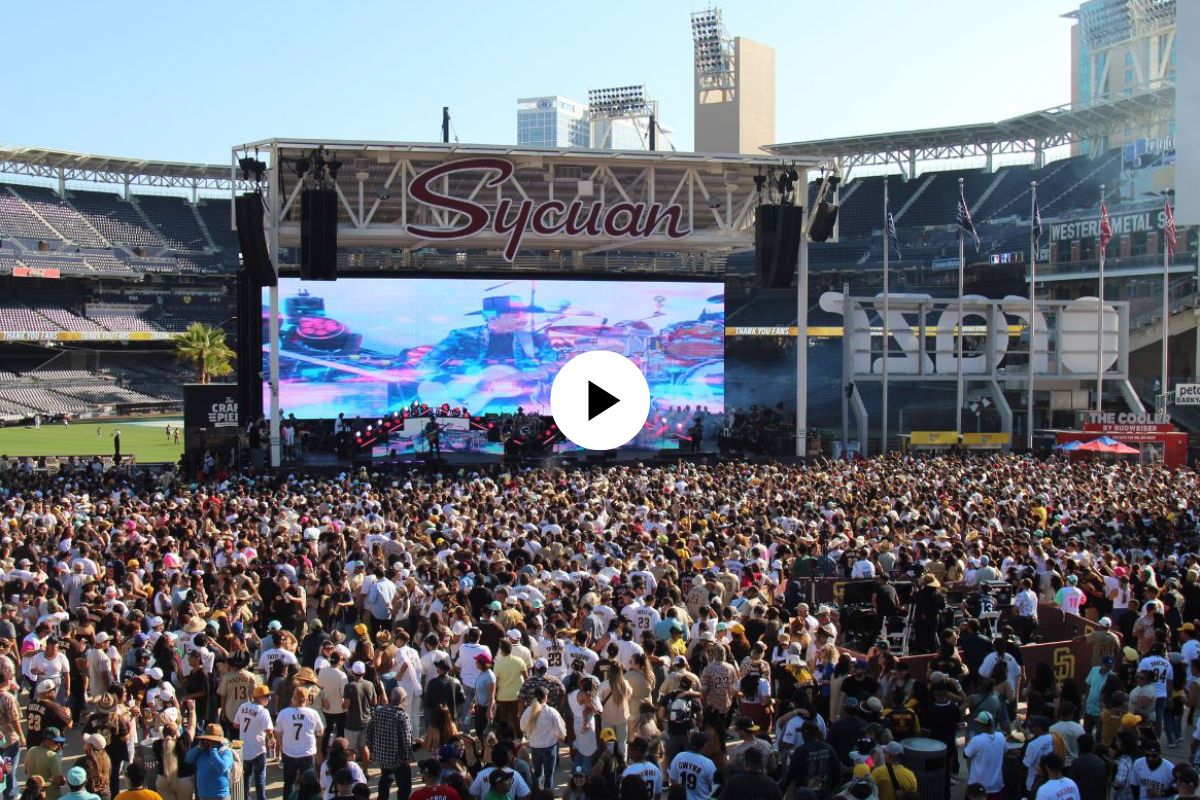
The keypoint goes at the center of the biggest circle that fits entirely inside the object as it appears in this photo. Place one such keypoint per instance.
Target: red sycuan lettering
(513, 219)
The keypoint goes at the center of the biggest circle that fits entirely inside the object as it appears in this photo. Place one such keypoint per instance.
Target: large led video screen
(364, 347)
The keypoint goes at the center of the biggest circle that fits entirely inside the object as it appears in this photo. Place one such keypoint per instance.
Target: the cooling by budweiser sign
(514, 218)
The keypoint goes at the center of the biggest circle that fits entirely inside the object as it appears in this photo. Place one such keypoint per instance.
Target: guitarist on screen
(502, 359)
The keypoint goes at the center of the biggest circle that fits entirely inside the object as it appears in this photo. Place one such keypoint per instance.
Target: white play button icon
(600, 400)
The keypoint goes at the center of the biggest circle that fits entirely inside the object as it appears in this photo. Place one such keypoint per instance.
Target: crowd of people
(632, 632)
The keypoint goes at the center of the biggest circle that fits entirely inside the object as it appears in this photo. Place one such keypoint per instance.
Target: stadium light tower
(734, 88)
(608, 106)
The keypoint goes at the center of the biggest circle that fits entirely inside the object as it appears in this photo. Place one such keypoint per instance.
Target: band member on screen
(505, 337)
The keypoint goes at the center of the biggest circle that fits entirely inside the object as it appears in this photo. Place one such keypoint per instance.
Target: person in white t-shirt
(298, 731)
(985, 755)
(255, 729)
(1056, 786)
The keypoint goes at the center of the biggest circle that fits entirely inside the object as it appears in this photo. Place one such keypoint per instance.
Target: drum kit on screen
(684, 348)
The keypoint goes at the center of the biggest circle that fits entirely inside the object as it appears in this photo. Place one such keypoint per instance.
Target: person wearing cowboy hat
(213, 760)
(506, 337)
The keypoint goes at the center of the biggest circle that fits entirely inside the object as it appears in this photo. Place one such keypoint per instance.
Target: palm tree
(203, 346)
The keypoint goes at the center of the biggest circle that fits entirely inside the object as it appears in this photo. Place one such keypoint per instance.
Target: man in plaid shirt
(389, 741)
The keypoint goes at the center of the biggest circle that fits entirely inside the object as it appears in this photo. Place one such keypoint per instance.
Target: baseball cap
(53, 734)
(1129, 720)
(494, 605)
(1187, 774)
(358, 668)
(448, 751)
(862, 771)
(984, 718)
(101, 637)
(895, 748)
(261, 691)
(483, 658)
(608, 735)
(76, 776)
(155, 673)
(680, 661)
(860, 663)
(513, 634)
(540, 663)
(274, 625)
(1104, 622)
(46, 686)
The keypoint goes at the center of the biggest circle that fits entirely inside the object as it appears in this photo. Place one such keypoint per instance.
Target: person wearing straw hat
(213, 760)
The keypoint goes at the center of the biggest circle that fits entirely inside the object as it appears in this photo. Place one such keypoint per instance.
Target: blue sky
(185, 81)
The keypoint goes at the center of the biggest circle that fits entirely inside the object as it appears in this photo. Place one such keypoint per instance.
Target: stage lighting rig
(252, 166)
(318, 169)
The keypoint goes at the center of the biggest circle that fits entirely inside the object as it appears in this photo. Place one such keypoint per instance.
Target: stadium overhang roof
(63, 165)
(1032, 133)
(412, 195)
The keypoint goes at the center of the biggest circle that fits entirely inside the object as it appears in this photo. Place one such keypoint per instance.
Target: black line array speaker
(318, 234)
(249, 347)
(255, 258)
(777, 231)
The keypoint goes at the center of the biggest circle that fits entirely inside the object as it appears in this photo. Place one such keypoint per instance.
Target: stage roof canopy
(1032, 133)
(378, 184)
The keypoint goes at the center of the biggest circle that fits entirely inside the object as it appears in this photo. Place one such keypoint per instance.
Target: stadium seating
(62, 217)
(175, 220)
(17, 220)
(16, 316)
(64, 318)
(124, 321)
(215, 214)
(116, 219)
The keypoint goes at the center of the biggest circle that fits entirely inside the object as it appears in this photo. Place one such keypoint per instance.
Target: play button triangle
(599, 401)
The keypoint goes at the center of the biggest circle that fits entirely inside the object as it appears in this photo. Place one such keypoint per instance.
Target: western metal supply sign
(1122, 224)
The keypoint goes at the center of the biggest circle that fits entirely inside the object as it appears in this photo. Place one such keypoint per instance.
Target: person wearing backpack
(679, 710)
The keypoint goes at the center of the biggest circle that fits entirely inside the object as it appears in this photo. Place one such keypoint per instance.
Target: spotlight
(252, 166)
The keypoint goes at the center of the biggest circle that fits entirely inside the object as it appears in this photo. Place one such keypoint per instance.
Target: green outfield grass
(146, 440)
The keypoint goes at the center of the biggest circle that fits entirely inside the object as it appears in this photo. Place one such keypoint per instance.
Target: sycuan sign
(514, 218)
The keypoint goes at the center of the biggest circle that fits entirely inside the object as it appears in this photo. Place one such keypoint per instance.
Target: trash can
(927, 759)
(237, 786)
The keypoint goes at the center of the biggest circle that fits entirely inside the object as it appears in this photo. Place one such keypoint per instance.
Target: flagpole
(962, 269)
(1100, 320)
(1166, 333)
(887, 337)
(1033, 239)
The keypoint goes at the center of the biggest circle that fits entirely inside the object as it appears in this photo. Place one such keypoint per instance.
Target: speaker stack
(318, 234)
(777, 231)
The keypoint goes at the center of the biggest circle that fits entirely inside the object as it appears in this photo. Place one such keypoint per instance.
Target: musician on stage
(433, 435)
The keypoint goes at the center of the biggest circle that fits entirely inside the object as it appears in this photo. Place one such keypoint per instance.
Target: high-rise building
(735, 89)
(1120, 48)
(552, 122)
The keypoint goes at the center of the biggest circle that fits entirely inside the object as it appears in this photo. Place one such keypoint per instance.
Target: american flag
(893, 237)
(1037, 223)
(1169, 231)
(1105, 227)
(964, 220)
